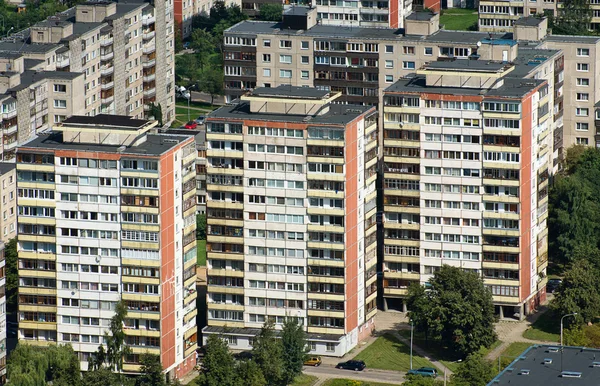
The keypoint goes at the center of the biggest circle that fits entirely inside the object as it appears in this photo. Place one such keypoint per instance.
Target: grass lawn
(387, 353)
(304, 380)
(195, 105)
(459, 19)
(350, 382)
(547, 327)
(511, 353)
(201, 251)
(446, 356)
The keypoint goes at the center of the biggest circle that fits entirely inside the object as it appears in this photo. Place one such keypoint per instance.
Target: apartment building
(99, 57)
(8, 201)
(185, 10)
(467, 154)
(291, 212)
(353, 13)
(3, 326)
(107, 213)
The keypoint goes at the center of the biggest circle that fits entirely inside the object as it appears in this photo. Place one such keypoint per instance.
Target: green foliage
(12, 273)
(583, 336)
(156, 112)
(418, 380)
(101, 376)
(267, 351)
(579, 292)
(201, 226)
(474, 371)
(270, 12)
(456, 309)
(34, 366)
(293, 340)
(151, 371)
(218, 364)
(573, 18)
(211, 81)
(250, 374)
(116, 350)
(204, 45)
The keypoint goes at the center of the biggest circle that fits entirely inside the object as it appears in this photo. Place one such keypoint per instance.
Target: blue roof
(499, 42)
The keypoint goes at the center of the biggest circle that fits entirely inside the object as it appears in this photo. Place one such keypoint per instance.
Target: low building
(552, 365)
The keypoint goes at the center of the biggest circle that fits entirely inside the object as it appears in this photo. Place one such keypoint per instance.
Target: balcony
(148, 49)
(106, 42)
(148, 35)
(11, 145)
(149, 63)
(10, 129)
(107, 55)
(107, 99)
(149, 77)
(147, 20)
(108, 85)
(150, 92)
(105, 71)
(9, 114)
(62, 62)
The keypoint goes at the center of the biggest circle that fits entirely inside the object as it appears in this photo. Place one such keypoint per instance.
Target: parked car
(200, 120)
(424, 371)
(351, 365)
(313, 361)
(553, 285)
(191, 125)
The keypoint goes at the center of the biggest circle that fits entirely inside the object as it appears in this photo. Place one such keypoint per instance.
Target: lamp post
(561, 326)
(412, 328)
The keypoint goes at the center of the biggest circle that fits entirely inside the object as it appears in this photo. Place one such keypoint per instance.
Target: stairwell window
(60, 104)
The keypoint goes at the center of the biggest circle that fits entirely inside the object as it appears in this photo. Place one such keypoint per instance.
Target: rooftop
(468, 65)
(546, 365)
(529, 59)
(421, 16)
(296, 11)
(337, 115)
(31, 77)
(155, 145)
(6, 167)
(530, 21)
(289, 91)
(573, 39)
(101, 120)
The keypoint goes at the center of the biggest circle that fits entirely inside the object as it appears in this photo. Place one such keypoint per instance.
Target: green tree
(271, 12)
(573, 18)
(201, 226)
(579, 292)
(575, 336)
(294, 345)
(151, 371)
(34, 366)
(218, 364)
(101, 376)
(156, 112)
(249, 373)
(64, 368)
(267, 351)
(116, 349)
(418, 380)
(203, 44)
(12, 273)
(458, 310)
(474, 371)
(211, 82)
(178, 38)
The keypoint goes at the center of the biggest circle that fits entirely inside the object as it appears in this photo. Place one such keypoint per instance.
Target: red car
(191, 125)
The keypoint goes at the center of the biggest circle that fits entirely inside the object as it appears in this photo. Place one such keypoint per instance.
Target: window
(583, 96)
(583, 67)
(266, 72)
(582, 112)
(267, 43)
(582, 126)
(304, 74)
(389, 64)
(580, 82)
(304, 45)
(285, 73)
(582, 141)
(428, 51)
(304, 60)
(408, 65)
(285, 44)
(267, 58)
(389, 49)
(583, 52)
(60, 88)
(408, 50)
(389, 78)
(285, 59)
(60, 103)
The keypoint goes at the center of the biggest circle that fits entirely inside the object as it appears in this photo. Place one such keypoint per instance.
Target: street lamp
(412, 328)
(561, 326)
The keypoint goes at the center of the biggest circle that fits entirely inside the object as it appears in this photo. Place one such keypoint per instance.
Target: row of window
(452, 238)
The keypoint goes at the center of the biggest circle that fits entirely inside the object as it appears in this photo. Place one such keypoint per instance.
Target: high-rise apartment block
(99, 57)
(291, 208)
(107, 213)
(8, 201)
(353, 13)
(3, 325)
(467, 156)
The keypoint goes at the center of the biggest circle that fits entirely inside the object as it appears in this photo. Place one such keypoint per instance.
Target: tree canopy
(455, 309)
(474, 371)
(579, 292)
(270, 12)
(35, 366)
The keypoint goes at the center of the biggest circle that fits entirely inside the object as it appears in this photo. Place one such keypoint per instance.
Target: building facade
(467, 155)
(99, 57)
(291, 212)
(8, 203)
(107, 213)
(3, 325)
(377, 14)
(185, 10)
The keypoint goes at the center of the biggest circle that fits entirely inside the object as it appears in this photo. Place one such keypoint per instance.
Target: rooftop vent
(553, 349)
(121, 149)
(570, 374)
(525, 372)
(595, 364)
(547, 361)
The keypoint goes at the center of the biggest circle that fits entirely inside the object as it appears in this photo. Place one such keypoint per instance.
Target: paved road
(369, 375)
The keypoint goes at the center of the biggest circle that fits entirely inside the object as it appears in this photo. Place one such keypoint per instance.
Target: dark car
(351, 365)
(200, 119)
(425, 372)
(553, 285)
(191, 125)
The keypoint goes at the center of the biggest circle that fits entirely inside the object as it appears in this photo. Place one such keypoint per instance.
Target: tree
(455, 309)
(63, 366)
(249, 373)
(218, 364)
(101, 376)
(271, 12)
(35, 366)
(418, 380)
(293, 340)
(575, 336)
(116, 349)
(203, 44)
(574, 18)
(579, 292)
(474, 371)
(201, 226)
(267, 351)
(151, 371)
(12, 273)
(211, 82)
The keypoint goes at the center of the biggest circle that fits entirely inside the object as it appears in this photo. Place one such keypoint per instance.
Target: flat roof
(338, 114)
(421, 16)
(529, 59)
(155, 144)
(6, 167)
(542, 372)
(467, 65)
(530, 21)
(296, 11)
(289, 91)
(114, 121)
(573, 39)
(30, 77)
